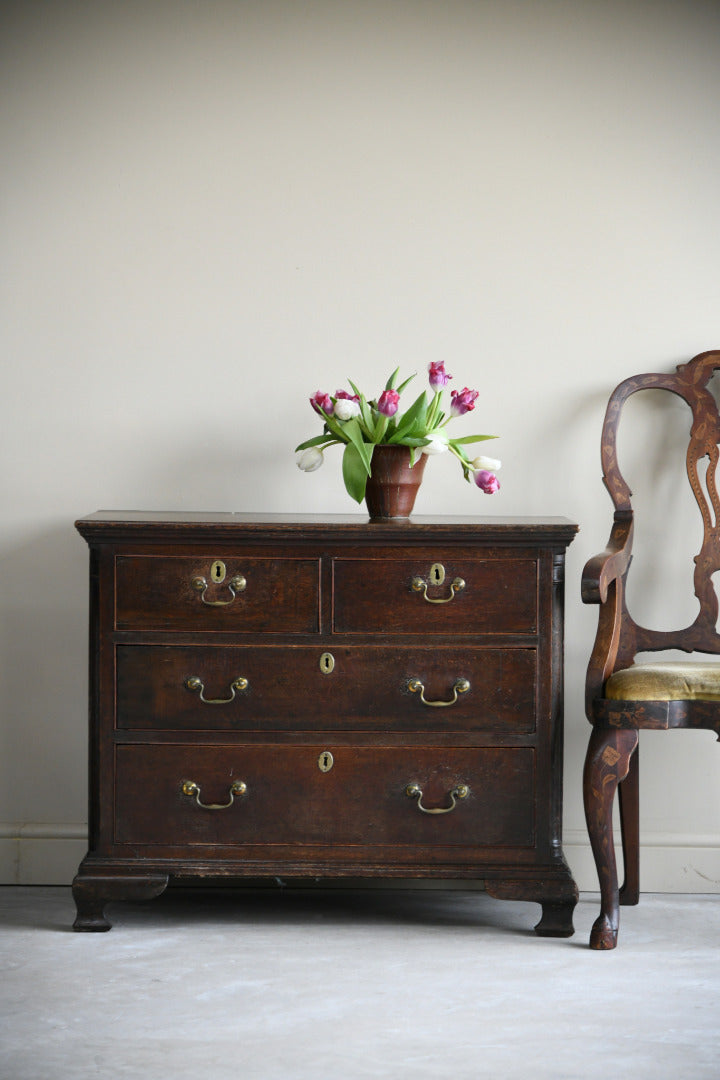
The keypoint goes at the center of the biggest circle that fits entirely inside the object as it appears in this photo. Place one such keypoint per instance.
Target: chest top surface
(111, 526)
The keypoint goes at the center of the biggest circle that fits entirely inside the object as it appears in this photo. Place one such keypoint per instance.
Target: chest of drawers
(308, 697)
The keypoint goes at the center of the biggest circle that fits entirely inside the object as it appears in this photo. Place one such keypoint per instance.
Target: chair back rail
(619, 637)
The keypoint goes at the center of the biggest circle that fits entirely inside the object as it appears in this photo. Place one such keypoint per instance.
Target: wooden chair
(622, 697)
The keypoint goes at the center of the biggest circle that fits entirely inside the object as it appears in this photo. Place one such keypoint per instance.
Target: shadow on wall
(43, 653)
(554, 457)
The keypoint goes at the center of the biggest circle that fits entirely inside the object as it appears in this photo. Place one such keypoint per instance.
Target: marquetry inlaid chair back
(622, 696)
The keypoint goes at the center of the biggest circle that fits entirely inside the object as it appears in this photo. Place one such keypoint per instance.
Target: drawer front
(362, 800)
(413, 595)
(185, 593)
(369, 688)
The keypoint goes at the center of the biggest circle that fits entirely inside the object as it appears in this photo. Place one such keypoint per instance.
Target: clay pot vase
(393, 486)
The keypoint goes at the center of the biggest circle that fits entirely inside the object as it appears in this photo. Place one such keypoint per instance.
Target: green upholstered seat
(668, 680)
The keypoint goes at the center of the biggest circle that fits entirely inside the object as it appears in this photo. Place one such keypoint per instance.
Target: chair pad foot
(603, 935)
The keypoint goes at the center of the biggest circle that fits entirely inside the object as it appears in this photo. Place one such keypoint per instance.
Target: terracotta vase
(392, 488)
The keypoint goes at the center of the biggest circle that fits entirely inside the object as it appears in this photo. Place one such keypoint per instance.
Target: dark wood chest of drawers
(310, 697)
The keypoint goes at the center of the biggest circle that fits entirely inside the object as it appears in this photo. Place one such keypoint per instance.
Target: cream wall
(212, 209)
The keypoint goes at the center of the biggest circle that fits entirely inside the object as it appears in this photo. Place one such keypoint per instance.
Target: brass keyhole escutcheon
(218, 572)
(437, 574)
(326, 761)
(327, 663)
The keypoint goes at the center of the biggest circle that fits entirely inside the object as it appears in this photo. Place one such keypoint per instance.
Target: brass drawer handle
(238, 787)
(414, 791)
(195, 684)
(420, 585)
(460, 686)
(235, 585)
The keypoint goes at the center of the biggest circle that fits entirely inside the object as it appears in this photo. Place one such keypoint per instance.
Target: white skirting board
(669, 862)
(50, 855)
(41, 854)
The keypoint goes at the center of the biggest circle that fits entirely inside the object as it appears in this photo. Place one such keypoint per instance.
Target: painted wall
(212, 209)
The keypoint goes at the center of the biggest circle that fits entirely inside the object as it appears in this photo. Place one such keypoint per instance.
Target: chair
(622, 697)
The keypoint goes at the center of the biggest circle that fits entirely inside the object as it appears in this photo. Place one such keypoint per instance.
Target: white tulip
(437, 445)
(310, 459)
(345, 409)
(490, 463)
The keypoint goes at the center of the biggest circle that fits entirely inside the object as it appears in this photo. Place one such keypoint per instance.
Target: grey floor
(296, 984)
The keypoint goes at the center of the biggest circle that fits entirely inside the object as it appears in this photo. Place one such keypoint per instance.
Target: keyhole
(217, 571)
(325, 761)
(327, 663)
(437, 573)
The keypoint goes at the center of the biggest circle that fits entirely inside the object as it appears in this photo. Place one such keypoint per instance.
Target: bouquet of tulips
(360, 425)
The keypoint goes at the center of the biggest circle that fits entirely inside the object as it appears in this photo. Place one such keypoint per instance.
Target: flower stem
(433, 411)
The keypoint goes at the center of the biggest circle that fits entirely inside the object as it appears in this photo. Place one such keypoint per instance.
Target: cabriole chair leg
(606, 765)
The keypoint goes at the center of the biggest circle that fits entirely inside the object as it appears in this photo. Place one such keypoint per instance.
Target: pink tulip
(321, 401)
(388, 402)
(487, 481)
(439, 378)
(342, 395)
(463, 401)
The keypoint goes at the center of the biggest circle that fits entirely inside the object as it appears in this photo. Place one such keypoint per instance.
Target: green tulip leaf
(414, 417)
(317, 441)
(352, 430)
(472, 438)
(354, 473)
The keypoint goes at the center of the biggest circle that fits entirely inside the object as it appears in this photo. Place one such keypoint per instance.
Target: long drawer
(412, 595)
(231, 594)
(367, 796)
(406, 688)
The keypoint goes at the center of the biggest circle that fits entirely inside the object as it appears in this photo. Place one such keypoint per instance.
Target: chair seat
(667, 680)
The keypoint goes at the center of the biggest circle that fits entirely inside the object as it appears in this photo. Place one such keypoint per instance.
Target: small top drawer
(235, 594)
(413, 595)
